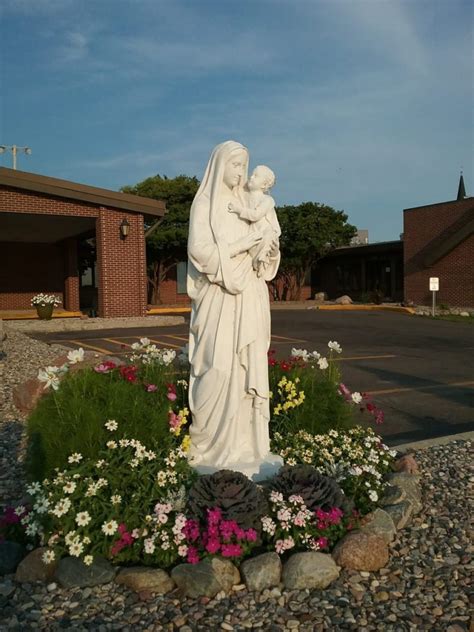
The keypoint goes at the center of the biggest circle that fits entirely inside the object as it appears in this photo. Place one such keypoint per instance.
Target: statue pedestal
(257, 471)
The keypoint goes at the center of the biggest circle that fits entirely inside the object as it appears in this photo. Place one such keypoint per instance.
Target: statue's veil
(207, 197)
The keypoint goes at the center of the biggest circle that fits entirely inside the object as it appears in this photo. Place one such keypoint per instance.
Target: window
(181, 274)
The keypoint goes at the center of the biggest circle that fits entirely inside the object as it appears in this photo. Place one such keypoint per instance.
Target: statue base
(257, 471)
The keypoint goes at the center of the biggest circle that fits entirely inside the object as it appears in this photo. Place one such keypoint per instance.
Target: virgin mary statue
(230, 326)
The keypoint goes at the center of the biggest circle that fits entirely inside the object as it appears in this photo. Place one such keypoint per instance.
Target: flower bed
(116, 496)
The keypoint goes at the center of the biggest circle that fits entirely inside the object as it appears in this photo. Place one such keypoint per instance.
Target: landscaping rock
(26, 395)
(33, 569)
(138, 579)
(309, 570)
(321, 296)
(361, 551)
(344, 300)
(392, 495)
(7, 588)
(406, 464)
(263, 571)
(381, 523)
(410, 483)
(11, 554)
(401, 513)
(73, 573)
(206, 578)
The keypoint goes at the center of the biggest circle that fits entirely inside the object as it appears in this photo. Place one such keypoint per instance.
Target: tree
(166, 246)
(308, 232)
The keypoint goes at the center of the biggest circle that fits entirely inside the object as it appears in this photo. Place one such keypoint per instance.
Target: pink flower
(105, 367)
(192, 556)
(231, 550)
(251, 535)
(191, 530)
(151, 388)
(171, 395)
(174, 420)
(322, 543)
(214, 516)
(344, 391)
(213, 545)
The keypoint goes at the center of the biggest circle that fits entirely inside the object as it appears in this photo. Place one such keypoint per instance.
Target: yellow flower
(186, 443)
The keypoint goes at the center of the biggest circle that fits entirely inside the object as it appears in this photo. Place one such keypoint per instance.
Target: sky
(364, 105)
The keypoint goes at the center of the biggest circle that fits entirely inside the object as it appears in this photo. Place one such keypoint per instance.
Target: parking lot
(419, 371)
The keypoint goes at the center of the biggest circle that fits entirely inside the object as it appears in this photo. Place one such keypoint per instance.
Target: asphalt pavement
(419, 371)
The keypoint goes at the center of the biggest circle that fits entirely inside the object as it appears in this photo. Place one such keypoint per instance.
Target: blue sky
(365, 105)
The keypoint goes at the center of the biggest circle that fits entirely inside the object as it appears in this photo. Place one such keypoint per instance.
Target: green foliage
(166, 245)
(72, 418)
(112, 506)
(320, 406)
(309, 231)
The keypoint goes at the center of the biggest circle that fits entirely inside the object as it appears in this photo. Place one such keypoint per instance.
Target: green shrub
(71, 418)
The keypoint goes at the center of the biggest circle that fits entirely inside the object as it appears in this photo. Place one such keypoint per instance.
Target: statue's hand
(245, 243)
(233, 208)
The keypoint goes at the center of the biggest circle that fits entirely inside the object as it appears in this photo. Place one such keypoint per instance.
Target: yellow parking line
(117, 342)
(165, 343)
(81, 343)
(369, 357)
(288, 339)
(388, 391)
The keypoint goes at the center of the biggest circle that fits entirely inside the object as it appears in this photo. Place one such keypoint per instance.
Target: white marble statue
(230, 320)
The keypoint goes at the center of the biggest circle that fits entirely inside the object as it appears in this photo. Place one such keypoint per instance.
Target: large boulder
(33, 569)
(406, 464)
(379, 522)
(139, 578)
(26, 395)
(361, 551)
(73, 573)
(410, 483)
(263, 571)
(207, 578)
(344, 300)
(11, 554)
(309, 570)
(401, 513)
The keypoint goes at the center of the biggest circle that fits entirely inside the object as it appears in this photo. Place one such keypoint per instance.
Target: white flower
(61, 507)
(50, 377)
(356, 397)
(32, 529)
(109, 528)
(111, 445)
(276, 497)
(69, 487)
(111, 425)
(116, 499)
(41, 505)
(100, 463)
(323, 364)
(182, 550)
(19, 510)
(83, 518)
(149, 546)
(34, 488)
(300, 353)
(48, 557)
(76, 549)
(88, 559)
(75, 356)
(373, 495)
(75, 458)
(70, 537)
(335, 346)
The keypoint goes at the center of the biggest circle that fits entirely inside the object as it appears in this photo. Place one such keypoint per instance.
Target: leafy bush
(125, 506)
(70, 418)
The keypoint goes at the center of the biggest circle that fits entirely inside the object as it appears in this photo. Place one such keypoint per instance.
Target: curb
(429, 443)
(61, 325)
(300, 306)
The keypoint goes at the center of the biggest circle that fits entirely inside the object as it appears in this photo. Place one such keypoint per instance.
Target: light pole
(14, 149)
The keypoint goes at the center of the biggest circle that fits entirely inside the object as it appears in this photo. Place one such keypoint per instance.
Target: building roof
(375, 248)
(467, 202)
(83, 192)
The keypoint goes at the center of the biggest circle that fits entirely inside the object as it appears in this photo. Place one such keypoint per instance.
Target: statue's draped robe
(229, 331)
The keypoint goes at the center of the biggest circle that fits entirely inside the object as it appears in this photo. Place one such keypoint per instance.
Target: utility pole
(14, 149)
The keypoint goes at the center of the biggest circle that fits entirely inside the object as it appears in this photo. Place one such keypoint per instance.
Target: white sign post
(434, 287)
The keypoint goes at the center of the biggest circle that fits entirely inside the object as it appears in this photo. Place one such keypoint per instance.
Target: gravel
(425, 586)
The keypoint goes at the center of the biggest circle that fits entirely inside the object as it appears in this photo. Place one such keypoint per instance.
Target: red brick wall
(29, 269)
(121, 263)
(455, 270)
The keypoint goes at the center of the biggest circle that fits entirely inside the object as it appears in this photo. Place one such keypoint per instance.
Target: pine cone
(317, 491)
(236, 495)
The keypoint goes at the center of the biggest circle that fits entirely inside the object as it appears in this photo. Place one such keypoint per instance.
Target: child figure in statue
(261, 212)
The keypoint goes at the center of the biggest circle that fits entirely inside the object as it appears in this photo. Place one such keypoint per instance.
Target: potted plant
(45, 303)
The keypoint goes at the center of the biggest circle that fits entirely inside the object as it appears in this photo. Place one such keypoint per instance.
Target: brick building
(42, 223)
(439, 242)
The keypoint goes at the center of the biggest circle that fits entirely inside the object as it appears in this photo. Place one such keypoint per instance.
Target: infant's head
(262, 179)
